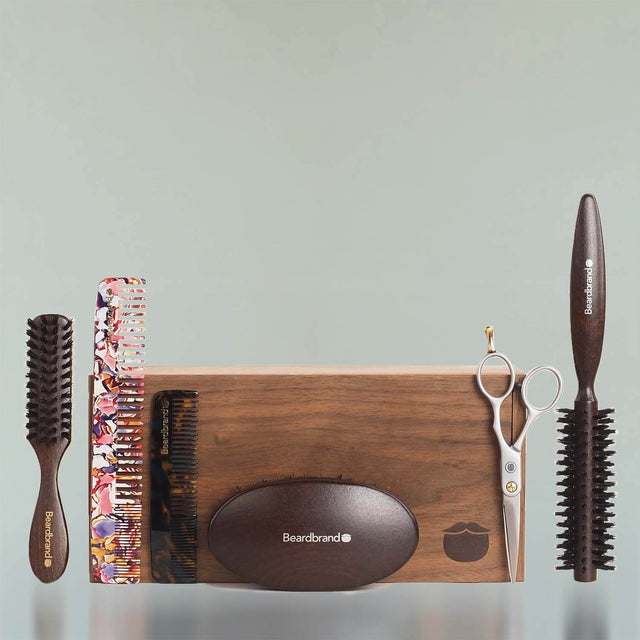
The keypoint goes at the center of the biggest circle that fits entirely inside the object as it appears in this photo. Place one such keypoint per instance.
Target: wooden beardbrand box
(421, 434)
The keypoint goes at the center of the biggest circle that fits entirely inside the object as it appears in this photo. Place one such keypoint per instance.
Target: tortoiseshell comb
(174, 492)
(117, 435)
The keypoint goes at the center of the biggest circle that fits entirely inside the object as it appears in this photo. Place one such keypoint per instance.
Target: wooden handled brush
(586, 433)
(49, 424)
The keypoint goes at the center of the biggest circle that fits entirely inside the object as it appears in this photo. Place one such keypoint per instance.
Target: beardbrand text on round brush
(49, 424)
(586, 468)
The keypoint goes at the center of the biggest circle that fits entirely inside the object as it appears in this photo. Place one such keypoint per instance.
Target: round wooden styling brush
(586, 469)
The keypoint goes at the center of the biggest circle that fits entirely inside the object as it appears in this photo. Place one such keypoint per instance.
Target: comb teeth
(174, 529)
(117, 434)
(49, 351)
(575, 491)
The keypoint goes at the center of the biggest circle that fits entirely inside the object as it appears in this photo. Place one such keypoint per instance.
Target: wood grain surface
(421, 433)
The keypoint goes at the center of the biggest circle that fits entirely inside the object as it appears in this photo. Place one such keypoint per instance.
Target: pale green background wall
(320, 183)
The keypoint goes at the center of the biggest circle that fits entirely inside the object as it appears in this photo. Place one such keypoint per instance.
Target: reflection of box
(421, 433)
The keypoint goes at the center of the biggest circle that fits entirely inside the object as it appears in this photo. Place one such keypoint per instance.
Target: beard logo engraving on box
(466, 542)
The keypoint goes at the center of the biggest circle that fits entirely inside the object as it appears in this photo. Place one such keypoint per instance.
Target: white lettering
(588, 307)
(314, 537)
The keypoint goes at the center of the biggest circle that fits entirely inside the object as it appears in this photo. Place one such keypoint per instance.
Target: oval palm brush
(586, 495)
(49, 425)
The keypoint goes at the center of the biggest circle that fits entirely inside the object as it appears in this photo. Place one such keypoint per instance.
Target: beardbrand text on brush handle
(587, 297)
(48, 540)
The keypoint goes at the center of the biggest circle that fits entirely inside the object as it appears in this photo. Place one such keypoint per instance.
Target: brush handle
(48, 540)
(588, 297)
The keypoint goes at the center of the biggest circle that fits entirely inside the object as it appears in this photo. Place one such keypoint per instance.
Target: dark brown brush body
(586, 433)
(49, 424)
(341, 535)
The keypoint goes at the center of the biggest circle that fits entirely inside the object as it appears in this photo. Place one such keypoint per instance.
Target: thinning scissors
(511, 455)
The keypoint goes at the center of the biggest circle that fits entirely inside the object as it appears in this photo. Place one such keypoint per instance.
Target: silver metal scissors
(511, 455)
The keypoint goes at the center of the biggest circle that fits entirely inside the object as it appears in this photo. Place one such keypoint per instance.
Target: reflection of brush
(587, 475)
(49, 424)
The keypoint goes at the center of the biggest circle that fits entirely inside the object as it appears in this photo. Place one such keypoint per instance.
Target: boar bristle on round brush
(586, 432)
(597, 513)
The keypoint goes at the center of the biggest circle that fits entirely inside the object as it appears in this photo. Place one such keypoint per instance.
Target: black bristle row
(49, 356)
(574, 490)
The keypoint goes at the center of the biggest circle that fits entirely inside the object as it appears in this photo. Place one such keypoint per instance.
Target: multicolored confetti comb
(117, 434)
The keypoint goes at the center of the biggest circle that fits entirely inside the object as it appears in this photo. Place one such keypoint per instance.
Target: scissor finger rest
(533, 412)
(525, 387)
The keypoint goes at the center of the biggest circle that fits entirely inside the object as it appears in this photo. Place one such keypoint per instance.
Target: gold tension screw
(512, 487)
(489, 333)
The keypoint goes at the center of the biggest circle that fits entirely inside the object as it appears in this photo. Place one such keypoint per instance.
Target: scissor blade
(511, 514)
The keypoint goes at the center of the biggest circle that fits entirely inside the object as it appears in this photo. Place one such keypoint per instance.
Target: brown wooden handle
(48, 540)
(588, 296)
